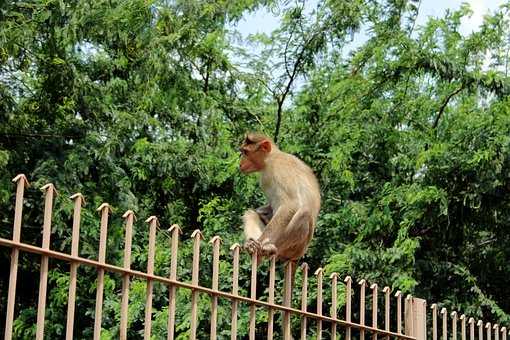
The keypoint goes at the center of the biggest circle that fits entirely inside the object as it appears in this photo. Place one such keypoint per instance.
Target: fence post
(21, 183)
(416, 317)
(49, 192)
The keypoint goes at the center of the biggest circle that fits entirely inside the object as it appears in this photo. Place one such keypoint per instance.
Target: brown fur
(294, 200)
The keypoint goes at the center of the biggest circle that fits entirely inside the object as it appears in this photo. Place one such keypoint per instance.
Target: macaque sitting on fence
(285, 226)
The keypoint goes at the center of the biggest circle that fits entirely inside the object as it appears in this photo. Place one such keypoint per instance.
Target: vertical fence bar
(270, 311)
(334, 282)
(304, 299)
(235, 248)
(480, 329)
(75, 239)
(409, 315)
(153, 222)
(287, 297)
(386, 290)
(175, 230)
(374, 308)
(471, 322)
(363, 284)
(215, 241)
(319, 273)
(398, 295)
(503, 333)
(196, 236)
(496, 331)
(434, 321)
(253, 294)
(444, 314)
(21, 182)
(129, 216)
(463, 327)
(49, 192)
(489, 330)
(104, 209)
(454, 325)
(348, 304)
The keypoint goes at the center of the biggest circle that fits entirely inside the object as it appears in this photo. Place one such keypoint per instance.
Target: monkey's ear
(265, 146)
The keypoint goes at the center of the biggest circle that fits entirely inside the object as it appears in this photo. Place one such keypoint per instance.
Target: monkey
(285, 226)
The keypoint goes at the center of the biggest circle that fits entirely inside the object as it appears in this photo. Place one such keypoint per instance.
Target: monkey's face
(253, 155)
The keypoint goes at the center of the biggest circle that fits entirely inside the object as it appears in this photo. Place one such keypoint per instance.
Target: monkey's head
(254, 151)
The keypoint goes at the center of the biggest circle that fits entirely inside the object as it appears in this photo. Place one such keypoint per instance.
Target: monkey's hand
(252, 246)
(267, 249)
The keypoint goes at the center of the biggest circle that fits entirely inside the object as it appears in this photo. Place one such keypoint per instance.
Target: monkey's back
(290, 179)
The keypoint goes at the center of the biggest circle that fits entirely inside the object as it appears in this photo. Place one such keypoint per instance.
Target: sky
(262, 21)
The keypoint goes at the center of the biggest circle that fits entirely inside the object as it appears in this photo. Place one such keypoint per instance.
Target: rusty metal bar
(398, 295)
(153, 223)
(235, 288)
(334, 282)
(270, 311)
(434, 321)
(444, 314)
(304, 299)
(205, 290)
(348, 305)
(215, 241)
(21, 182)
(49, 192)
(454, 325)
(287, 297)
(129, 216)
(75, 239)
(104, 209)
(471, 322)
(363, 284)
(409, 315)
(387, 291)
(480, 329)
(253, 294)
(319, 273)
(196, 236)
(175, 230)
(374, 308)
(463, 327)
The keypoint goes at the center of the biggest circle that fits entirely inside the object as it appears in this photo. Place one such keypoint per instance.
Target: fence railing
(413, 315)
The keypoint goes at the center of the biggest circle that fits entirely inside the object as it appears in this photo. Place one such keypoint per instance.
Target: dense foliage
(142, 104)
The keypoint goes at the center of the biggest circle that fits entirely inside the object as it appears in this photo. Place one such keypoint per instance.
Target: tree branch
(445, 103)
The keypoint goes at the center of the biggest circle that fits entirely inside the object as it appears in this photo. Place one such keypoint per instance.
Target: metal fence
(409, 322)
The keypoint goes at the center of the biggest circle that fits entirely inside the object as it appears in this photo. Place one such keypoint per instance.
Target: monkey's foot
(252, 246)
(267, 249)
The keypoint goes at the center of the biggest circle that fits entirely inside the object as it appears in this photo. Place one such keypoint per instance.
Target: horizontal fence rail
(413, 315)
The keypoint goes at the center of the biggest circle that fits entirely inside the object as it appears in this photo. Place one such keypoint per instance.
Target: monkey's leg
(252, 225)
(292, 240)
